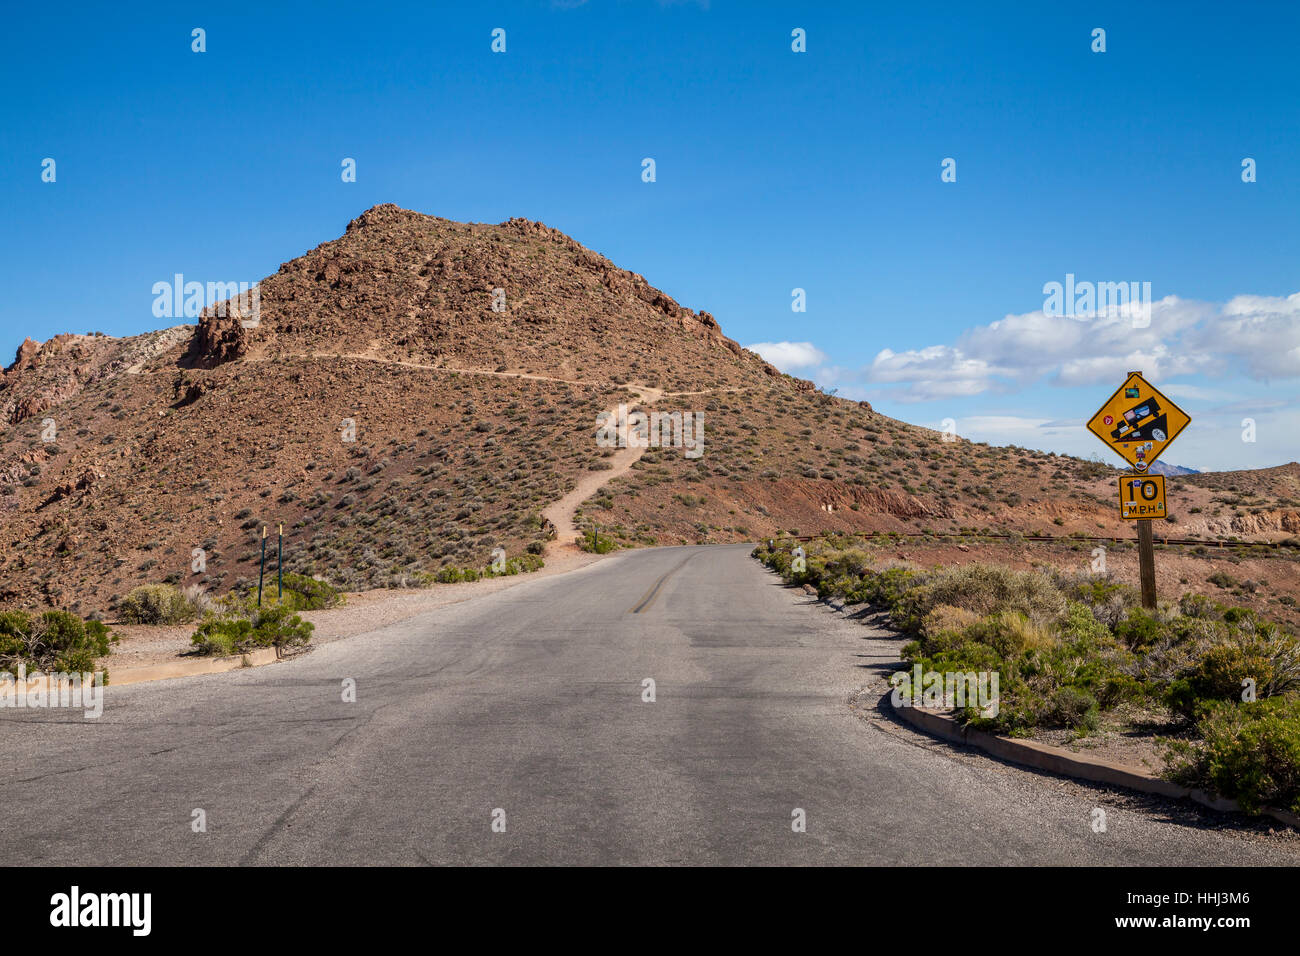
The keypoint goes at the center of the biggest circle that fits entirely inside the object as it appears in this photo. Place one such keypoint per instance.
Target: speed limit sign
(1142, 496)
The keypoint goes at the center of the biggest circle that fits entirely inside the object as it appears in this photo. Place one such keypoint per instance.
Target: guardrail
(1113, 539)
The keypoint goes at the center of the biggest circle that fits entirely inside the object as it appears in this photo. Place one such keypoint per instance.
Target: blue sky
(775, 170)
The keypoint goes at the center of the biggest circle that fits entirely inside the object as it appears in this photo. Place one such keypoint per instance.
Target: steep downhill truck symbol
(1137, 422)
(1143, 422)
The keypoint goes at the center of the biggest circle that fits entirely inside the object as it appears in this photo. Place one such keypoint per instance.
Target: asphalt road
(529, 700)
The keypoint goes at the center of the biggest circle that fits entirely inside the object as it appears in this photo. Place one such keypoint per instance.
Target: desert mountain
(418, 392)
(413, 288)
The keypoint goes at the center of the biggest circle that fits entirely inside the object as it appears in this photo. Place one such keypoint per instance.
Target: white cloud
(1214, 442)
(1044, 434)
(1010, 425)
(790, 355)
(1250, 338)
(1257, 336)
(1195, 392)
(1263, 332)
(936, 372)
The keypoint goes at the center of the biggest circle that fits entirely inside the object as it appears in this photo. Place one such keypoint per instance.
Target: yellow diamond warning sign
(1138, 422)
(1142, 496)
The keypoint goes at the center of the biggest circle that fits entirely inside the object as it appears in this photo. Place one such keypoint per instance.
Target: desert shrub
(161, 604)
(1141, 628)
(1052, 675)
(839, 573)
(234, 633)
(596, 543)
(780, 558)
(454, 575)
(521, 565)
(1168, 644)
(886, 588)
(1250, 752)
(1198, 606)
(1067, 648)
(221, 636)
(52, 641)
(1264, 654)
(14, 628)
(1239, 615)
(301, 593)
(1222, 579)
(947, 620)
(1109, 601)
(983, 589)
(1074, 708)
(1010, 633)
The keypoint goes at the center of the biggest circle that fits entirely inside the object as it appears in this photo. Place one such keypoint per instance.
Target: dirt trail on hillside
(560, 514)
(646, 393)
(382, 360)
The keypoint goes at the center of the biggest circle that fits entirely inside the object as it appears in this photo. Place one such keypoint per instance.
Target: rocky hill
(413, 288)
(419, 391)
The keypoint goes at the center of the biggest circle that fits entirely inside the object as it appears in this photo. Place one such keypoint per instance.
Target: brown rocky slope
(122, 460)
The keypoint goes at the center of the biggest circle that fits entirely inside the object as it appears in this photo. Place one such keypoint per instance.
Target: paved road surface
(529, 700)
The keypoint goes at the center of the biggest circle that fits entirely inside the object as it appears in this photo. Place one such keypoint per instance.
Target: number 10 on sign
(1142, 496)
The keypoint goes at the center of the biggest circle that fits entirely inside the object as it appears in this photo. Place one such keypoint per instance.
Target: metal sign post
(261, 571)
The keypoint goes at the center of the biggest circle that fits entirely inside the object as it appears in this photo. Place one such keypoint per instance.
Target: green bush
(983, 589)
(1075, 708)
(301, 593)
(52, 641)
(454, 575)
(1010, 634)
(1251, 753)
(886, 588)
(1108, 600)
(159, 604)
(1264, 654)
(596, 543)
(1222, 579)
(1198, 606)
(840, 573)
(1141, 628)
(521, 565)
(1067, 648)
(233, 633)
(1061, 674)
(222, 636)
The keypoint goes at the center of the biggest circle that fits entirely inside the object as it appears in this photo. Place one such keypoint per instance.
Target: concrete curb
(118, 676)
(1039, 756)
